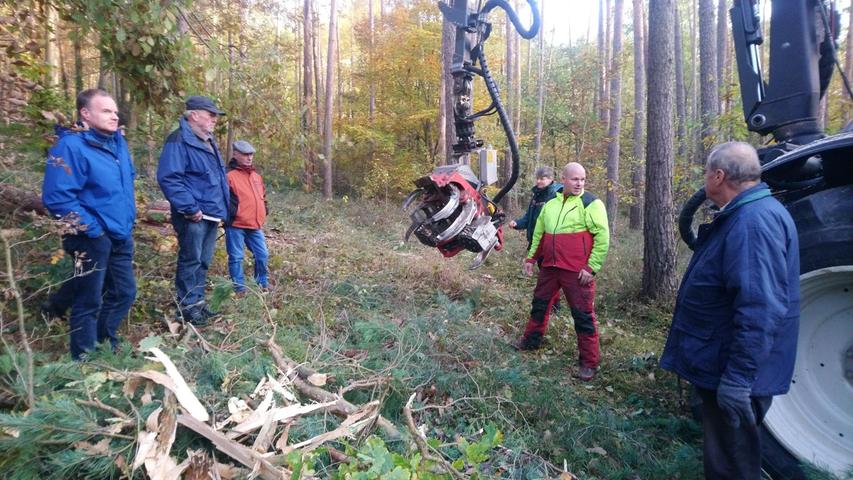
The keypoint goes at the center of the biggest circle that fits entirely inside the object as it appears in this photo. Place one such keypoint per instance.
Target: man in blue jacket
(88, 182)
(192, 177)
(734, 329)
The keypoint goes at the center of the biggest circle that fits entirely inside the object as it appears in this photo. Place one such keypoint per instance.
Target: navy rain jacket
(192, 176)
(537, 201)
(90, 175)
(738, 308)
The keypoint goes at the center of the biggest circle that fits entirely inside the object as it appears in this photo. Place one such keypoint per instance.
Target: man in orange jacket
(247, 212)
(570, 242)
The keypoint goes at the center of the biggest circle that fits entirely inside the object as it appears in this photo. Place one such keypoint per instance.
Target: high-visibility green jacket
(571, 233)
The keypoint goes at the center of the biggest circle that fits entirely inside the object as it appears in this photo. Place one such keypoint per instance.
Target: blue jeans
(103, 289)
(235, 239)
(196, 241)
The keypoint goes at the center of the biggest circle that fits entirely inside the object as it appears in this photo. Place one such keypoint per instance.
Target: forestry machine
(449, 209)
(812, 174)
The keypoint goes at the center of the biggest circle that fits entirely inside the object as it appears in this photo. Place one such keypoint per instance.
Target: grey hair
(738, 160)
(544, 171)
(187, 113)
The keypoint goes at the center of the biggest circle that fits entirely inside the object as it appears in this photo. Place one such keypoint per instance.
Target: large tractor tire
(814, 422)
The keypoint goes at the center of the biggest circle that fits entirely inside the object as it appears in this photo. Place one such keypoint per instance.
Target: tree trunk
(330, 104)
(722, 41)
(340, 95)
(680, 94)
(615, 124)
(602, 58)
(635, 218)
(318, 66)
(659, 245)
(509, 103)
(540, 89)
(51, 47)
(371, 84)
(707, 76)
(308, 96)
(848, 62)
(78, 62)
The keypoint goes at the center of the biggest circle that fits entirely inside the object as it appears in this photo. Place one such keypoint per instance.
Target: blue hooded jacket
(738, 308)
(89, 176)
(191, 175)
(539, 198)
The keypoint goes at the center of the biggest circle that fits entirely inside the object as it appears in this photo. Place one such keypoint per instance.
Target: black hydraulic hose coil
(685, 217)
(513, 17)
(492, 87)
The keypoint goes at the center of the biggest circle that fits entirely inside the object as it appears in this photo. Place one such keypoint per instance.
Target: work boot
(209, 314)
(193, 316)
(528, 343)
(585, 373)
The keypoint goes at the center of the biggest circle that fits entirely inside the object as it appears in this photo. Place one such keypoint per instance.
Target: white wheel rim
(814, 421)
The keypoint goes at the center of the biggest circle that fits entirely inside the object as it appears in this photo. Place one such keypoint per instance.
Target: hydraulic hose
(513, 17)
(685, 217)
(492, 87)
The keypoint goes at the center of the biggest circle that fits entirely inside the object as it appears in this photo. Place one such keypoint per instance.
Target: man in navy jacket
(734, 329)
(192, 177)
(88, 182)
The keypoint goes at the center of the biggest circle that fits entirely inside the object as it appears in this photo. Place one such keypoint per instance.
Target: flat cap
(198, 102)
(243, 146)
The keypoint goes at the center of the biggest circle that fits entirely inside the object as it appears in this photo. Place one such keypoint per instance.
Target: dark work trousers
(196, 242)
(581, 300)
(731, 453)
(103, 289)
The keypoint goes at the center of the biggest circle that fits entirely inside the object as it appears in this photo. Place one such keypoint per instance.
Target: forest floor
(351, 300)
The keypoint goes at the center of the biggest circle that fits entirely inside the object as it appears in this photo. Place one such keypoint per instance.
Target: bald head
(574, 178)
(738, 160)
(574, 168)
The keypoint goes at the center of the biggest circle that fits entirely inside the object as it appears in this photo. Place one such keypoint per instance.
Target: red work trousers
(581, 301)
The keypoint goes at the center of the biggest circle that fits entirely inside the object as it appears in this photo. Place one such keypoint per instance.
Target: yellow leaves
(57, 256)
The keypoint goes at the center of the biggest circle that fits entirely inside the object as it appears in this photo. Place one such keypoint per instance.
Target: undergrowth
(353, 301)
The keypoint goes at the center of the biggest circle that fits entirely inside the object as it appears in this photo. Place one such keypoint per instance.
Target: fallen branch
(103, 406)
(342, 408)
(422, 444)
(182, 390)
(186, 398)
(245, 455)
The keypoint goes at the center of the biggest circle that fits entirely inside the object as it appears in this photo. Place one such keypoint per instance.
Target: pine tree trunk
(848, 62)
(330, 104)
(707, 76)
(318, 67)
(602, 58)
(308, 101)
(615, 123)
(509, 103)
(51, 50)
(680, 93)
(635, 217)
(371, 84)
(659, 245)
(540, 88)
(722, 39)
(78, 63)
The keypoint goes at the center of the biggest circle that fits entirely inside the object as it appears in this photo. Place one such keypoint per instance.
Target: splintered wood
(255, 438)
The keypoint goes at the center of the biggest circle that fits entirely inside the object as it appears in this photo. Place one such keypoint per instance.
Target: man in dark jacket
(544, 190)
(192, 177)
(88, 182)
(247, 212)
(734, 329)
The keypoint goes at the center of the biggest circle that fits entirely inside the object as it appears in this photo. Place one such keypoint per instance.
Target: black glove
(734, 401)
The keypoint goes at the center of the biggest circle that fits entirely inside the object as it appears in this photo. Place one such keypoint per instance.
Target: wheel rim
(814, 421)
